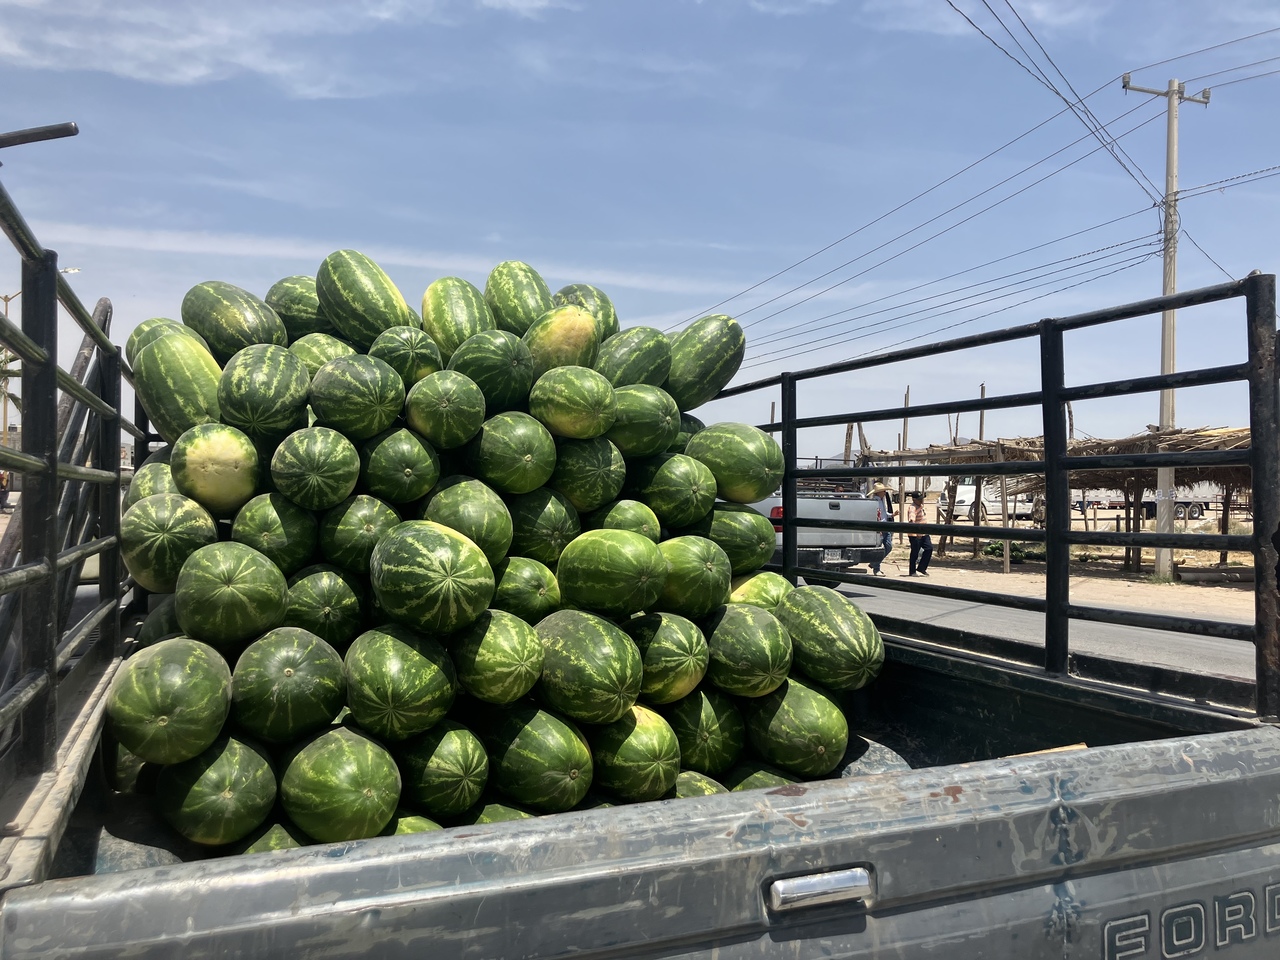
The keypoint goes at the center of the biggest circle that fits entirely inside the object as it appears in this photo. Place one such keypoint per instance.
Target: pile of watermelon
(481, 563)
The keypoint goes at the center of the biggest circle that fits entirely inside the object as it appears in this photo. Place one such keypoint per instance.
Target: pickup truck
(998, 800)
(828, 548)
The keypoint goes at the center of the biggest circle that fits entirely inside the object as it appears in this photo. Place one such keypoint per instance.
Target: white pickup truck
(828, 547)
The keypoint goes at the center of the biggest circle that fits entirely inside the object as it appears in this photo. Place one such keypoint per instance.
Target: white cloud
(788, 8)
(527, 8)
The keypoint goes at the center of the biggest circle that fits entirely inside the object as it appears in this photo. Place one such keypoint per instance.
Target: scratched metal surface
(990, 859)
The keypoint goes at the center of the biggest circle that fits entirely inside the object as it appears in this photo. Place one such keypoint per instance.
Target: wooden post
(1224, 526)
(1004, 504)
(848, 442)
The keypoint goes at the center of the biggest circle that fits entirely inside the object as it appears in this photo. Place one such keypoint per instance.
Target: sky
(843, 176)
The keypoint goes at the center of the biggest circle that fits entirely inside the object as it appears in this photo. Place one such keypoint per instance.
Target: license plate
(832, 556)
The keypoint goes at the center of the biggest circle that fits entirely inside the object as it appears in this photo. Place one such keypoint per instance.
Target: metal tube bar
(27, 350)
(1142, 308)
(1189, 458)
(1057, 508)
(69, 471)
(83, 551)
(77, 635)
(127, 426)
(789, 543)
(995, 468)
(1003, 402)
(68, 298)
(1156, 621)
(83, 394)
(1029, 534)
(1186, 378)
(16, 699)
(1179, 541)
(12, 459)
(52, 131)
(20, 576)
(108, 505)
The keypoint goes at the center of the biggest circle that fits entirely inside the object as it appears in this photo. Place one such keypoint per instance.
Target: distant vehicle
(1184, 508)
(1020, 504)
(827, 547)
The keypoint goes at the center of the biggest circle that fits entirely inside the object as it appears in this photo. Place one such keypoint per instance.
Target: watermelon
(526, 588)
(636, 355)
(148, 480)
(168, 702)
(430, 577)
(403, 822)
(746, 461)
(690, 783)
(176, 381)
(229, 593)
(445, 407)
(270, 837)
(613, 572)
(689, 425)
(158, 534)
(161, 455)
(673, 652)
(475, 511)
(399, 466)
(589, 472)
(349, 532)
(679, 489)
(538, 759)
(704, 357)
(591, 670)
(296, 303)
(625, 515)
(399, 683)
(753, 775)
(647, 420)
(359, 298)
(444, 770)
(562, 337)
(763, 588)
(593, 300)
(498, 658)
(573, 402)
(409, 351)
(698, 576)
(799, 728)
(263, 390)
(636, 757)
(517, 295)
(161, 622)
(493, 811)
(513, 453)
(278, 528)
(342, 785)
(151, 330)
(452, 311)
(287, 684)
(230, 318)
(327, 601)
(542, 522)
(215, 465)
(317, 349)
(357, 396)
(710, 730)
(501, 366)
(835, 642)
(316, 467)
(750, 650)
(744, 533)
(220, 796)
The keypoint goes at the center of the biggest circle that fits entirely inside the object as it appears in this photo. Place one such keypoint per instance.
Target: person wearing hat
(884, 514)
(921, 543)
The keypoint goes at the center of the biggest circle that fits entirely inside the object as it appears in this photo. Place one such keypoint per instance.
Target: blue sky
(679, 155)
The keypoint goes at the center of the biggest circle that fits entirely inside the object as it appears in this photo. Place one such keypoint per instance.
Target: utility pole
(1174, 94)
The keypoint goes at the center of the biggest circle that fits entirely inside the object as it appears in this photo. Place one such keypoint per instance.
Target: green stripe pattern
(613, 572)
(744, 533)
(501, 366)
(409, 351)
(517, 295)
(349, 531)
(746, 461)
(176, 380)
(316, 467)
(799, 728)
(498, 658)
(754, 775)
(399, 683)
(762, 588)
(444, 770)
(525, 587)
(287, 685)
(278, 528)
(709, 729)
(698, 576)
(679, 489)
(690, 783)
(359, 298)
(341, 786)
(538, 759)
(513, 453)
(595, 302)
(589, 472)
(296, 303)
(566, 336)
(689, 425)
(750, 650)
(446, 407)
(317, 349)
(472, 509)
(636, 355)
(230, 318)
(220, 796)
(647, 420)
(357, 396)
(161, 623)
(430, 577)
(452, 311)
(263, 390)
(153, 329)
(229, 593)
(591, 670)
(674, 653)
(573, 402)
(399, 466)
(216, 465)
(704, 357)
(836, 643)
(158, 534)
(625, 515)
(327, 601)
(148, 480)
(636, 757)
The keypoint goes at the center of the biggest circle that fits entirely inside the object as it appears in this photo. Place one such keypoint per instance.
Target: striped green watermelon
(593, 300)
(636, 757)
(799, 728)
(444, 770)
(565, 336)
(359, 298)
(763, 588)
(475, 511)
(836, 643)
(690, 783)
(430, 577)
(625, 515)
(674, 653)
(296, 303)
(493, 811)
(229, 593)
(446, 407)
(513, 453)
(263, 390)
(704, 357)
(526, 588)
(316, 467)
(647, 420)
(148, 480)
(403, 822)
(746, 461)
(742, 532)
(591, 670)
(589, 472)
(754, 775)
(636, 355)
(327, 601)
(542, 522)
(357, 396)
(452, 311)
(614, 572)
(176, 381)
(498, 658)
(153, 329)
(342, 785)
(399, 466)
(409, 351)
(538, 759)
(217, 466)
(679, 489)
(399, 683)
(689, 425)
(158, 534)
(349, 532)
(161, 455)
(517, 295)
(287, 684)
(710, 730)
(698, 576)
(750, 650)
(501, 366)
(230, 318)
(573, 402)
(161, 622)
(278, 528)
(272, 836)
(317, 349)
(220, 796)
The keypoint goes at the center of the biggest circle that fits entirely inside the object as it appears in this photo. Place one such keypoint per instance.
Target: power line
(1215, 46)
(1256, 76)
(1206, 254)
(1213, 185)
(1243, 66)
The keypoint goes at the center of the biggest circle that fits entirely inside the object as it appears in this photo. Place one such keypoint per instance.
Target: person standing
(921, 543)
(884, 514)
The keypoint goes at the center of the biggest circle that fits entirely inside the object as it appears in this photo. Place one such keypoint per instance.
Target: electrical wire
(1215, 186)
(1215, 46)
(1256, 76)
(1206, 254)
(1243, 66)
